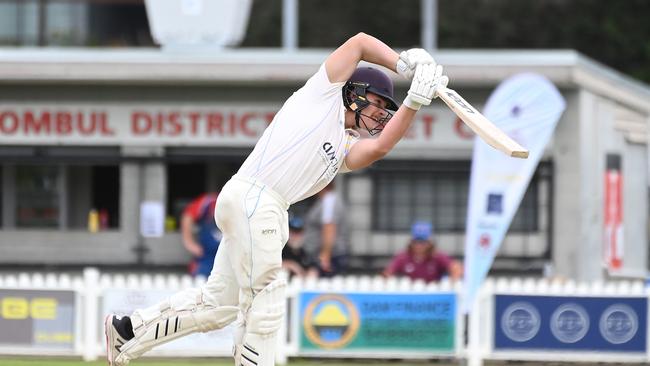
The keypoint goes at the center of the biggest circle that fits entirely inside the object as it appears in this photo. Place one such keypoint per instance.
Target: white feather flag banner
(526, 107)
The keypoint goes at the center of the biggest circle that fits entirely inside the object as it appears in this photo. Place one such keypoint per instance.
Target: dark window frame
(459, 170)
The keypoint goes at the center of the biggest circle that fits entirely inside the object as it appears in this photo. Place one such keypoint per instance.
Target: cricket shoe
(114, 341)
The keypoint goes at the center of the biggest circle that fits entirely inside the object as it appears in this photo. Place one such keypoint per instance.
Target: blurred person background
(421, 260)
(201, 236)
(327, 237)
(294, 258)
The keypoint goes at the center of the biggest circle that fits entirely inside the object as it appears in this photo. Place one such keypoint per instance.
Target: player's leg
(257, 262)
(212, 306)
(256, 336)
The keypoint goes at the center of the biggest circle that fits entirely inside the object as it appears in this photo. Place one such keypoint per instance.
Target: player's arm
(367, 151)
(427, 78)
(343, 61)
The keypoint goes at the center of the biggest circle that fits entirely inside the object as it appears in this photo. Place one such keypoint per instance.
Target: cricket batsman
(315, 135)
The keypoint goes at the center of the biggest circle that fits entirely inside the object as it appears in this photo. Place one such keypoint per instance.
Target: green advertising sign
(378, 322)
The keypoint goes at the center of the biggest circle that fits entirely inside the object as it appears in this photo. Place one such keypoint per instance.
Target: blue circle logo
(569, 323)
(520, 321)
(618, 323)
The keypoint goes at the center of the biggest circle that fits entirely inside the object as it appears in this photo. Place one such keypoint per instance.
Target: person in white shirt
(327, 234)
(315, 135)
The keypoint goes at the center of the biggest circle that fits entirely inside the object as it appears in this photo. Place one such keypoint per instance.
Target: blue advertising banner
(378, 322)
(563, 323)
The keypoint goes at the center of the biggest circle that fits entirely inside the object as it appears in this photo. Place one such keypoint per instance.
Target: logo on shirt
(328, 154)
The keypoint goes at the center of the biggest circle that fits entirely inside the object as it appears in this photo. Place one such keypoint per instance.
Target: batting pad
(263, 321)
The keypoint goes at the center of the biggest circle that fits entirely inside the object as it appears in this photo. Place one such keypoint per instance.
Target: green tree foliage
(616, 33)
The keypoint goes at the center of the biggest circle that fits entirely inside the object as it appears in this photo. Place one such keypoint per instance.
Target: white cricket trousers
(254, 221)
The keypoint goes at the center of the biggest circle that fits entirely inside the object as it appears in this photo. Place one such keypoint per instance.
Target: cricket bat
(490, 133)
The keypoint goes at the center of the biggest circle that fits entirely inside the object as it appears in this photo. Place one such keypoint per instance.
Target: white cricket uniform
(305, 146)
(298, 155)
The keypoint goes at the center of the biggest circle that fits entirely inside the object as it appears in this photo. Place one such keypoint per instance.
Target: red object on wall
(613, 242)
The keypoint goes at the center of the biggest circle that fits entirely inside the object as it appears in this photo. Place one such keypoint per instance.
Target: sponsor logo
(484, 241)
(460, 101)
(331, 321)
(268, 231)
(18, 308)
(520, 321)
(569, 323)
(495, 203)
(618, 324)
(328, 154)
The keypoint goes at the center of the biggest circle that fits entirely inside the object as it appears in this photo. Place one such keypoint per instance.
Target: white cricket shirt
(305, 145)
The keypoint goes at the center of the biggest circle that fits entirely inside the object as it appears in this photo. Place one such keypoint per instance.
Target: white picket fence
(90, 286)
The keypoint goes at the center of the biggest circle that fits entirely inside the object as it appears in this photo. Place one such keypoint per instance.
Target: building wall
(583, 137)
(635, 205)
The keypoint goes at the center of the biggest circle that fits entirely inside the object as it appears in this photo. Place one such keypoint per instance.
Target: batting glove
(409, 60)
(427, 79)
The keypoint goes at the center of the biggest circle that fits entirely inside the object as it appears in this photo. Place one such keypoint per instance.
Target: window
(194, 171)
(38, 190)
(437, 192)
(185, 182)
(47, 187)
(74, 23)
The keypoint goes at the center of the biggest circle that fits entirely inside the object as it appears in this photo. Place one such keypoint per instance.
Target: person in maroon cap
(421, 260)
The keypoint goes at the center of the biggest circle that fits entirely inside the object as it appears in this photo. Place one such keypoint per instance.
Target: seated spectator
(421, 259)
(201, 236)
(294, 258)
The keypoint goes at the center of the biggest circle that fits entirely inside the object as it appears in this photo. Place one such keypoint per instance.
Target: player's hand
(427, 79)
(409, 60)
(440, 81)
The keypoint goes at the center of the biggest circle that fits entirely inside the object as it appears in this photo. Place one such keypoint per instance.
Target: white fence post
(474, 357)
(91, 313)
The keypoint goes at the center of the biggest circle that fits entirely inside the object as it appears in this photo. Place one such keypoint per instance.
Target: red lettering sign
(9, 122)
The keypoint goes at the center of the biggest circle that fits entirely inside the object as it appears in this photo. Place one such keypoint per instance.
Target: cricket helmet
(363, 81)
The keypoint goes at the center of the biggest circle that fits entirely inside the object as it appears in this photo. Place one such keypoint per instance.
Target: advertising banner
(563, 323)
(215, 343)
(527, 107)
(381, 322)
(37, 319)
